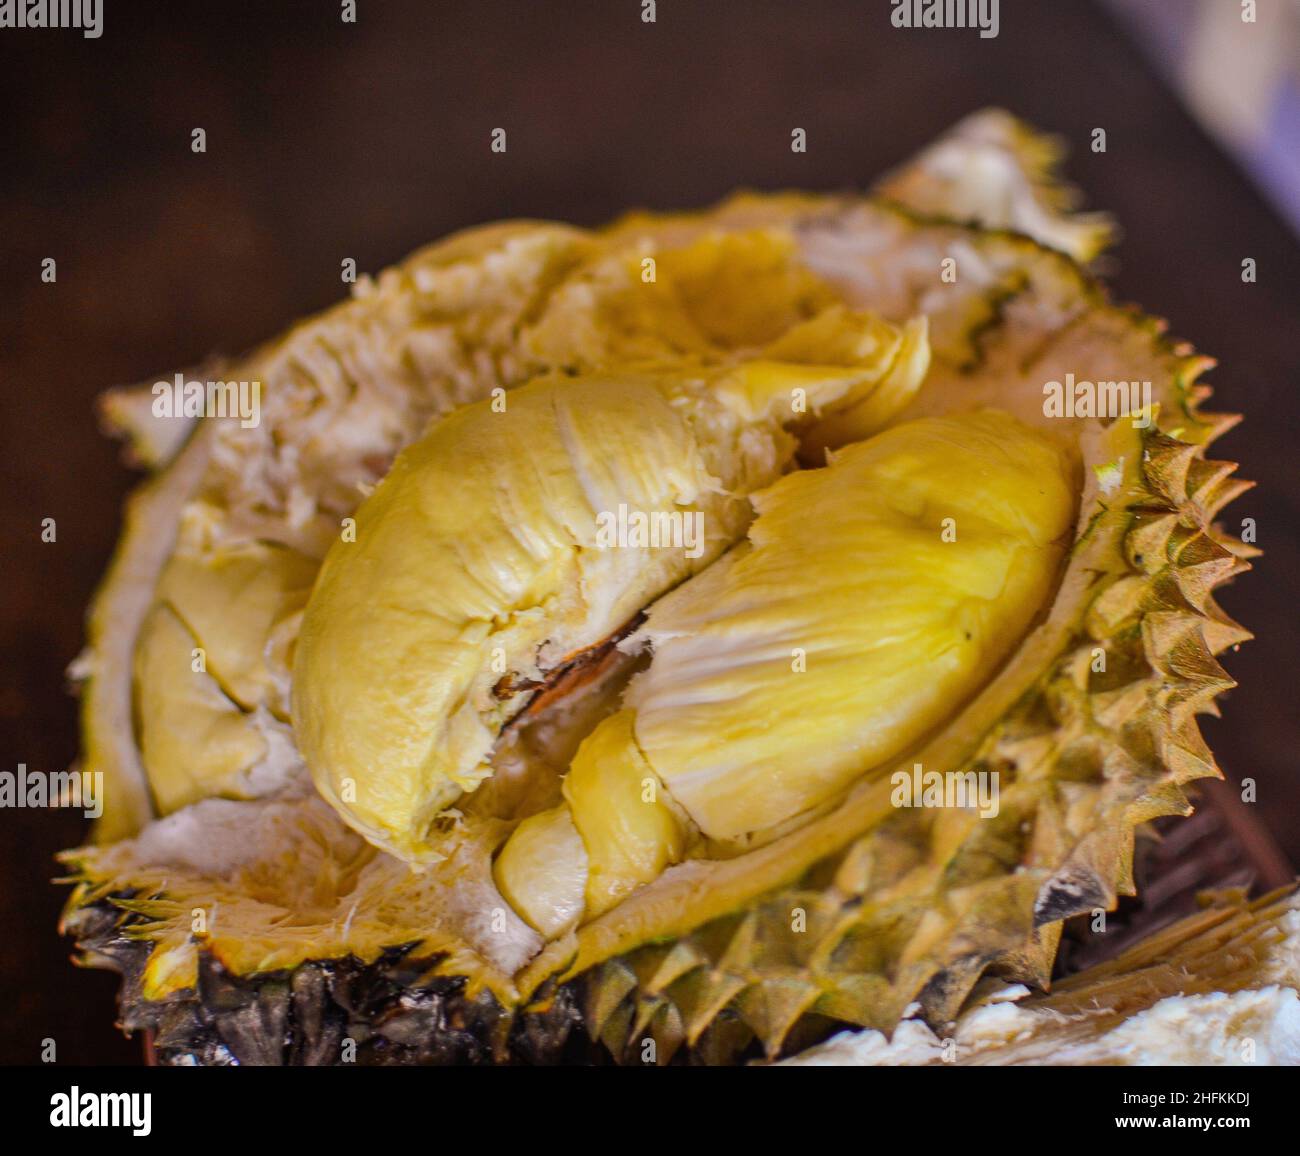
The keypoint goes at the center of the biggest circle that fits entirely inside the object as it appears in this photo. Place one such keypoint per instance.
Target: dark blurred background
(328, 140)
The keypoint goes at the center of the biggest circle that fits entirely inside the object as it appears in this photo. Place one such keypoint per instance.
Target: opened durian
(561, 667)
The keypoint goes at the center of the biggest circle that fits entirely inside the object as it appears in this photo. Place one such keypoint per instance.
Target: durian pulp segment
(207, 661)
(856, 422)
(233, 597)
(194, 741)
(545, 876)
(872, 599)
(628, 827)
(615, 830)
(497, 549)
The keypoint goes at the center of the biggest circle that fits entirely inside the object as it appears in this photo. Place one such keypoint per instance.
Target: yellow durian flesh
(209, 657)
(637, 302)
(874, 411)
(615, 830)
(742, 299)
(477, 567)
(194, 741)
(543, 871)
(628, 828)
(743, 288)
(840, 345)
(231, 597)
(872, 598)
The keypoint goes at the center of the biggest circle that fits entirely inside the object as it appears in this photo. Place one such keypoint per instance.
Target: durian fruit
(210, 675)
(256, 926)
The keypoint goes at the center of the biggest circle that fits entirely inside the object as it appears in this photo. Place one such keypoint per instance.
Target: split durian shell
(849, 919)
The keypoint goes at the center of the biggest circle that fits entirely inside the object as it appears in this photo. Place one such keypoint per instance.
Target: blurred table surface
(327, 140)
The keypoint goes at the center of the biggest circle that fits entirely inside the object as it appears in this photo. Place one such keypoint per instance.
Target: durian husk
(993, 170)
(867, 909)
(116, 617)
(1234, 952)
